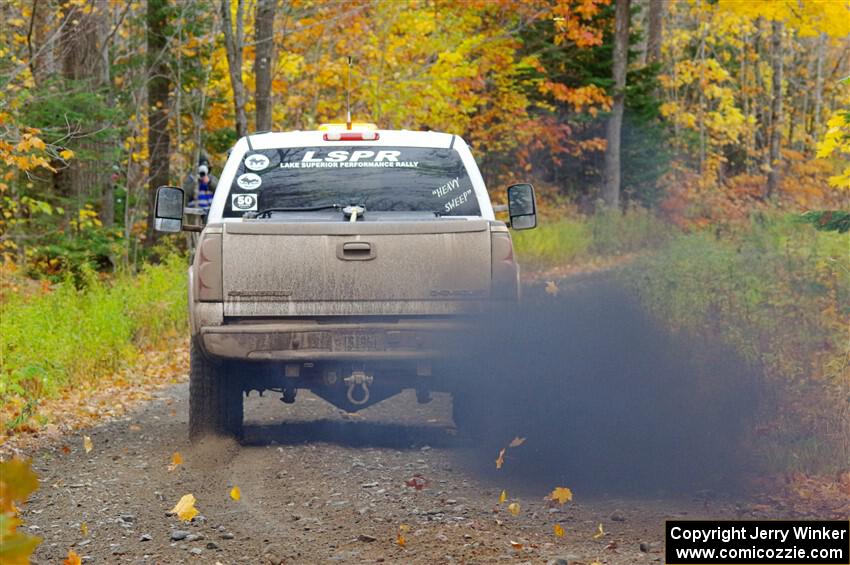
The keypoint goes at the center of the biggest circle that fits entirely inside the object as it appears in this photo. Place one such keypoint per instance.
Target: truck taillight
(504, 270)
(208, 263)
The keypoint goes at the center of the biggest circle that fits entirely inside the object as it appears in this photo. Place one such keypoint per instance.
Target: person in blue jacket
(201, 185)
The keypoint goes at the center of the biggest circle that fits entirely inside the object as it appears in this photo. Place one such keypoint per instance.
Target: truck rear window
(381, 178)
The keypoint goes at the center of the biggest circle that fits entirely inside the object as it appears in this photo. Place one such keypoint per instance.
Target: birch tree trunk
(776, 119)
(611, 190)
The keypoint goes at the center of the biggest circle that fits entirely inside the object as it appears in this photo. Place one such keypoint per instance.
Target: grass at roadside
(68, 336)
(580, 239)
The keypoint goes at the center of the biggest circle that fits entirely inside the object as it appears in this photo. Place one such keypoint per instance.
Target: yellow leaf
(559, 531)
(84, 529)
(185, 508)
(599, 532)
(552, 288)
(503, 497)
(235, 493)
(176, 460)
(400, 540)
(513, 508)
(561, 495)
(500, 460)
(66, 154)
(403, 528)
(17, 482)
(72, 559)
(517, 441)
(87, 444)
(595, 562)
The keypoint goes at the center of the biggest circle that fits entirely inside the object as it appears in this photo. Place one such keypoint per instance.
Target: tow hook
(362, 379)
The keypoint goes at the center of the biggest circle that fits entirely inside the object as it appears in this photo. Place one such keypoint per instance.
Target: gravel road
(321, 486)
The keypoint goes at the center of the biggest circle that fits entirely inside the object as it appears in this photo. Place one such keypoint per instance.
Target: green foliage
(552, 243)
(72, 335)
(644, 153)
(615, 233)
(831, 220)
(606, 233)
(777, 292)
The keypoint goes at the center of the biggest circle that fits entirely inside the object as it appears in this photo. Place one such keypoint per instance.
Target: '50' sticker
(243, 202)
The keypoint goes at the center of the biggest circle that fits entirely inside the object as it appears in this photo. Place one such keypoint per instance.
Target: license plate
(356, 342)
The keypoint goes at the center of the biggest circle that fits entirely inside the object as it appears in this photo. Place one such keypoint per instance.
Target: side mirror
(522, 207)
(169, 209)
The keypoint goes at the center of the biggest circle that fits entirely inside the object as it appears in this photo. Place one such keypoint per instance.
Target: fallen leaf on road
(185, 508)
(417, 481)
(84, 529)
(559, 531)
(400, 540)
(516, 545)
(517, 441)
(176, 460)
(552, 288)
(235, 493)
(500, 460)
(599, 532)
(595, 562)
(561, 495)
(135, 428)
(72, 559)
(503, 497)
(513, 508)
(87, 444)
(66, 450)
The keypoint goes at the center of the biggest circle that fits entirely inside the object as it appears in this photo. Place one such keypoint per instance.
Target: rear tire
(468, 420)
(215, 396)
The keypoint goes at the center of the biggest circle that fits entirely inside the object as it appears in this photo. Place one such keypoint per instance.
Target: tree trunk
(776, 118)
(263, 62)
(611, 190)
(234, 42)
(159, 86)
(654, 35)
(82, 65)
(816, 119)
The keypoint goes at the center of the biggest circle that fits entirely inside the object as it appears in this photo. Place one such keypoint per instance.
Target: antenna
(348, 98)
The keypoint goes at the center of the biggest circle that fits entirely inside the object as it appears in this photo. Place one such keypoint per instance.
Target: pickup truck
(343, 261)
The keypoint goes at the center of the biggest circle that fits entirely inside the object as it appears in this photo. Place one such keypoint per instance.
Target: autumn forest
(696, 150)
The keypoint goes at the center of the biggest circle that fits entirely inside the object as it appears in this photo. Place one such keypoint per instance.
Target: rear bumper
(307, 341)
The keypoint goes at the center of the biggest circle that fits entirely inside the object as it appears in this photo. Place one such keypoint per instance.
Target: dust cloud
(609, 401)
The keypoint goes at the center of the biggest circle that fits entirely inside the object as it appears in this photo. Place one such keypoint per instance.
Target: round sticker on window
(243, 202)
(257, 162)
(249, 181)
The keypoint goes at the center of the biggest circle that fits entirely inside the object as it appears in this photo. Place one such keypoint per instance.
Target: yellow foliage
(17, 482)
(836, 144)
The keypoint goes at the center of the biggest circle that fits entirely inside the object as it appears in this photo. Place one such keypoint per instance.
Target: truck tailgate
(433, 267)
